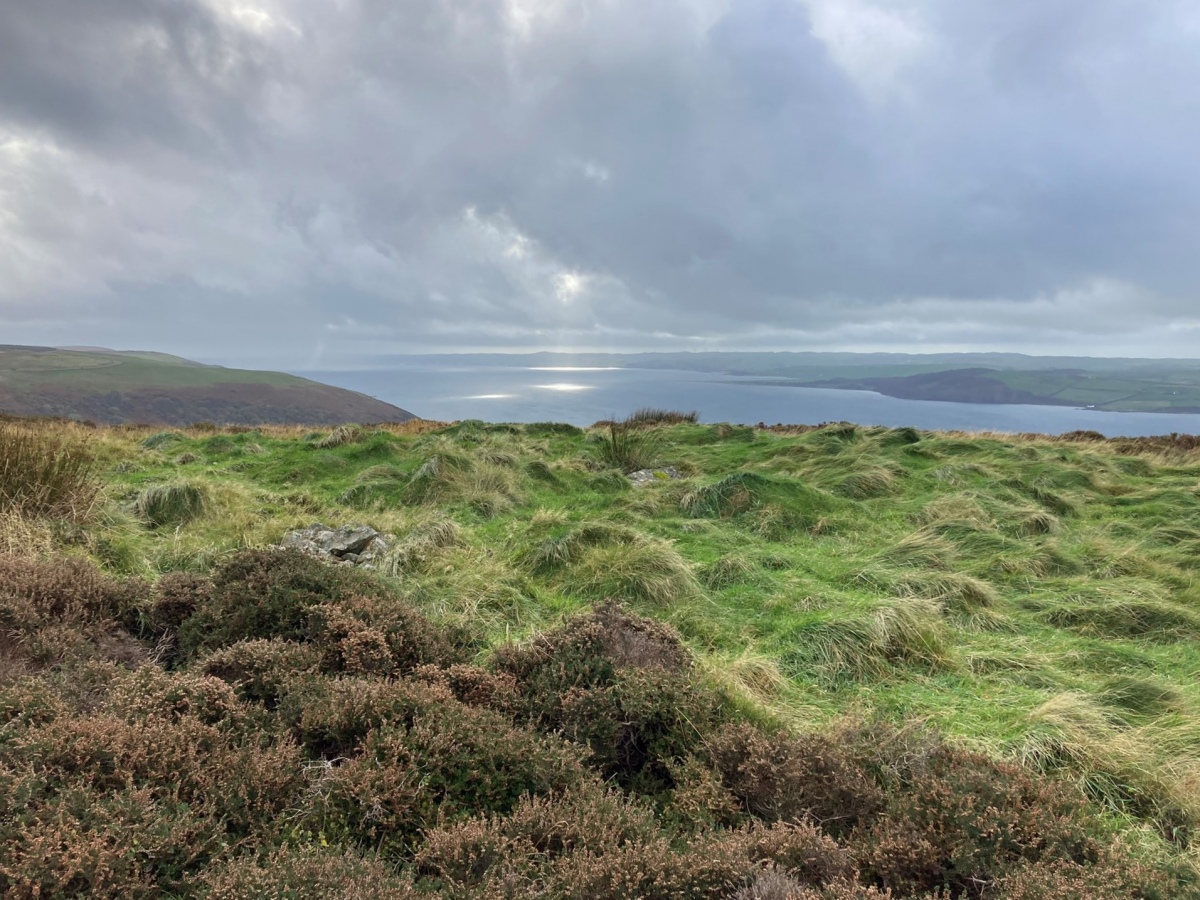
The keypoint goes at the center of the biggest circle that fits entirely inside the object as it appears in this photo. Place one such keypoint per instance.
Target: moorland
(820, 663)
(111, 387)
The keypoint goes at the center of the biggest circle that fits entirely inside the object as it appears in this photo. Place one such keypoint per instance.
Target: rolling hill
(114, 387)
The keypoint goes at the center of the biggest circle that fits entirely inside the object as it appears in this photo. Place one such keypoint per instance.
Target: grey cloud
(259, 179)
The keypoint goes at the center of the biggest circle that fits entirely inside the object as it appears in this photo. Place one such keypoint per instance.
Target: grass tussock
(956, 591)
(171, 505)
(339, 437)
(905, 632)
(605, 561)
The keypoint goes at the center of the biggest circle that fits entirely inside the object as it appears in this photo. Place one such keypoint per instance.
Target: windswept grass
(1033, 597)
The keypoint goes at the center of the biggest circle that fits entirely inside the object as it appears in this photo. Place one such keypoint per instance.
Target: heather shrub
(473, 686)
(637, 726)
(1112, 878)
(453, 762)
(712, 866)
(699, 799)
(150, 693)
(304, 873)
(332, 716)
(104, 806)
(586, 652)
(367, 635)
(177, 596)
(960, 820)
(783, 777)
(64, 589)
(259, 670)
(184, 761)
(59, 611)
(128, 844)
(285, 594)
(587, 817)
(266, 594)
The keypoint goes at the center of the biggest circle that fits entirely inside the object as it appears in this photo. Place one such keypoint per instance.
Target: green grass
(1030, 597)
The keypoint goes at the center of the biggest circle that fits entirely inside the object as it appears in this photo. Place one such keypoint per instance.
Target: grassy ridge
(115, 387)
(1031, 598)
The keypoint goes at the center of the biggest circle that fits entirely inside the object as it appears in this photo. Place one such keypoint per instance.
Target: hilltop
(806, 663)
(112, 387)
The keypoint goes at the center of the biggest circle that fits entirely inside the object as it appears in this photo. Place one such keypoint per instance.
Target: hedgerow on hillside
(833, 663)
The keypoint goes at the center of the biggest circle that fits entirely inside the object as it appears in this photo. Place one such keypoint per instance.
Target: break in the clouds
(302, 182)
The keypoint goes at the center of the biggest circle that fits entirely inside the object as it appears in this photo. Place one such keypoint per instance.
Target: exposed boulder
(358, 545)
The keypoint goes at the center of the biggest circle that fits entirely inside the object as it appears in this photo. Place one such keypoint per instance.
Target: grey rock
(643, 477)
(350, 544)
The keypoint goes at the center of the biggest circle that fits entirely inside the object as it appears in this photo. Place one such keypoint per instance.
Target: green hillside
(905, 599)
(111, 387)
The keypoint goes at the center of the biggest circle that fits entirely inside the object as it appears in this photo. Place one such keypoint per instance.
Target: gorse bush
(45, 475)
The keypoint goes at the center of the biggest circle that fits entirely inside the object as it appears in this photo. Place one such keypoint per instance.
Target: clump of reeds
(630, 444)
(649, 415)
(43, 475)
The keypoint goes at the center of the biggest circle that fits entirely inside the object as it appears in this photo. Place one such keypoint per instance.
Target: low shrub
(288, 595)
(304, 873)
(961, 821)
(450, 764)
(331, 717)
(588, 650)
(260, 670)
(785, 778)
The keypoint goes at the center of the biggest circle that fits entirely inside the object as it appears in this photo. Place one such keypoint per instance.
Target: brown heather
(293, 731)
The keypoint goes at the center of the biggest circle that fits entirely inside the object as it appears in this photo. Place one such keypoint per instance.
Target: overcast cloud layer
(298, 183)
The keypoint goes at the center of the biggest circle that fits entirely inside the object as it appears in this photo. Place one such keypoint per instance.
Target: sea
(583, 395)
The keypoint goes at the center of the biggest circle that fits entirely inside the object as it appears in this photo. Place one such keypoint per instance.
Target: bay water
(582, 395)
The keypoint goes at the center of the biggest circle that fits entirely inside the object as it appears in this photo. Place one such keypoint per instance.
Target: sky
(307, 183)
